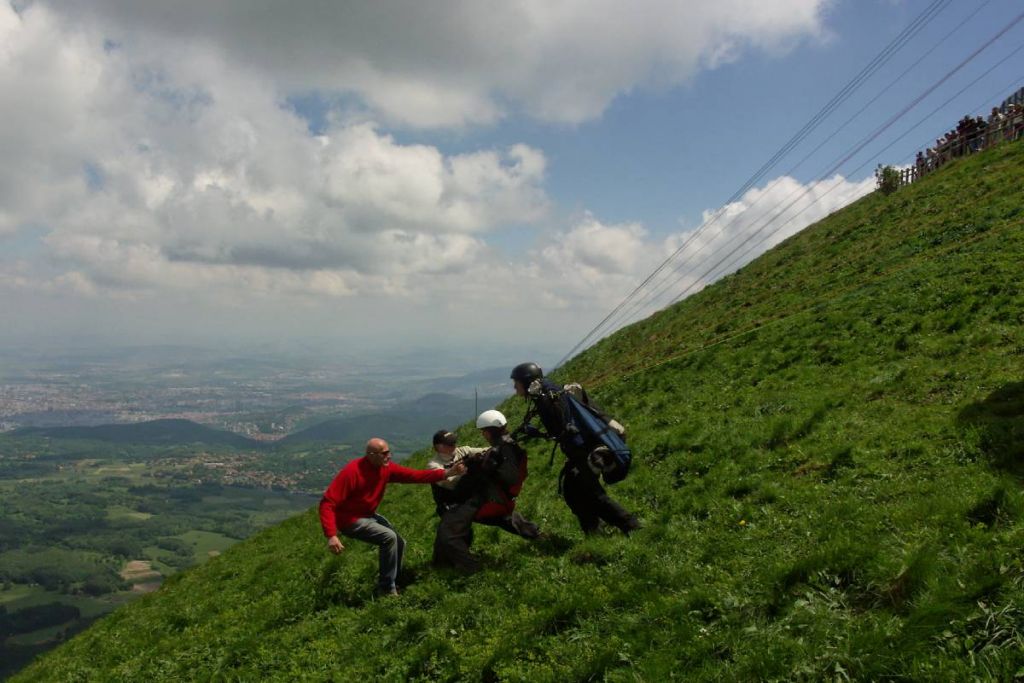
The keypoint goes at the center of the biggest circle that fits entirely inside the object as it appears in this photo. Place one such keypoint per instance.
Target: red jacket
(358, 489)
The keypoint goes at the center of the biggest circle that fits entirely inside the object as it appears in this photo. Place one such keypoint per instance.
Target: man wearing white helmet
(486, 494)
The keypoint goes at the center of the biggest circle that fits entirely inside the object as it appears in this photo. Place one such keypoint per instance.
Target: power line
(869, 139)
(826, 286)
(654, 294)
(896, 80)
(891, 49)
(909, 32)
(848, 156)
(830, 171)
(877, 62)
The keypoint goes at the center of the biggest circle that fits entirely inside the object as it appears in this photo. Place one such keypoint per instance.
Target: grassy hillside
(829, 460)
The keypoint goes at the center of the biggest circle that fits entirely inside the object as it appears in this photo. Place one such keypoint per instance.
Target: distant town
(260, 410)
(262, 403)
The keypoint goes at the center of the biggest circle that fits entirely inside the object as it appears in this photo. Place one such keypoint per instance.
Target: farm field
(87, 532)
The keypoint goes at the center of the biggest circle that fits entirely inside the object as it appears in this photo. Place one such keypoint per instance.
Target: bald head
(378, 452)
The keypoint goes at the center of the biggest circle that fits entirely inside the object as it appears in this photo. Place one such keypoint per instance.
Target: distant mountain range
(404, 423)
(411, 420)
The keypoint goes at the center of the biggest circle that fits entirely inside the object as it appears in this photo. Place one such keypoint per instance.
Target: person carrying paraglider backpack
(593, 444)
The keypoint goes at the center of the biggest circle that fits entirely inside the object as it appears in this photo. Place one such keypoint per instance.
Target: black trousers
(455, 535)
(588, 500)
(514, 524)
(453, 538)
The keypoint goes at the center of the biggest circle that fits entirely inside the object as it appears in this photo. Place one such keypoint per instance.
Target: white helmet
(491, 418)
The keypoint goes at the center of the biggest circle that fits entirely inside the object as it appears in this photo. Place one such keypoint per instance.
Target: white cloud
(377, 181)
(592, 262)
(156, 150)
(461, 61)
(592, 267)
(736, 233)
(148, 180)
(584, 271)
(568, 283)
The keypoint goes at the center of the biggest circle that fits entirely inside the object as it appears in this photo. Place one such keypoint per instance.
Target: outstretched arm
(406, 475)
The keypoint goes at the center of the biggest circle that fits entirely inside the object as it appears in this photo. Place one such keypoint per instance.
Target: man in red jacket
(349, 505)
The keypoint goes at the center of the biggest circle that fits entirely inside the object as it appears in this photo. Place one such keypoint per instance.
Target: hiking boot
(632, 525)
(385, 592)
(524, 527)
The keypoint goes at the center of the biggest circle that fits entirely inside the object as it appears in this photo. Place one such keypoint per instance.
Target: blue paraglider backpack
(588, 430)
(609, 455)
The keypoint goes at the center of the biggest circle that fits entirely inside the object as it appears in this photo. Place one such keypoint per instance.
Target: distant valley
(99, 504)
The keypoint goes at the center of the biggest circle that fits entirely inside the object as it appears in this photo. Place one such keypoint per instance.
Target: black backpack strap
(531, 412)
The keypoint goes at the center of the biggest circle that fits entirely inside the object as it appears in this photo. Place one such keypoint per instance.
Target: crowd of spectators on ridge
(973, 134)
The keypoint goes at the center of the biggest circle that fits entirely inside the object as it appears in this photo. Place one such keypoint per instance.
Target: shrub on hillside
(887, 179)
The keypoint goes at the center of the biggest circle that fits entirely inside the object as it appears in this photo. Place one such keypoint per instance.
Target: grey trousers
(378, 531)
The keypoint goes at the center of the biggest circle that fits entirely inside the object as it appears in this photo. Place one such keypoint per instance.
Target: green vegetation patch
(118, 513)
(205, 543)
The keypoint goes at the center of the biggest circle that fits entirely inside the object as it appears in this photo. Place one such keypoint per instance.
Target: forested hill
(828, 465)
(405, 422)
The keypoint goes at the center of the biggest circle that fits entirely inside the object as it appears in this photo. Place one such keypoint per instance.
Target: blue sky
(397, 174)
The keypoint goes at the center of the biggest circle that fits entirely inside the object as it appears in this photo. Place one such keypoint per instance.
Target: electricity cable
(876, 63)
(868, 161)
(666, 284)
(857, 148)
(827, 286)
(896, 80)
(894, 46)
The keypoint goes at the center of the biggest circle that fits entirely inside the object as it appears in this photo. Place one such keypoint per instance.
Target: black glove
(532, 432)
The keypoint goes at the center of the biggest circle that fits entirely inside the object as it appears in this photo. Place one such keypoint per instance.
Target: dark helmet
(526, 373)
(444, 437)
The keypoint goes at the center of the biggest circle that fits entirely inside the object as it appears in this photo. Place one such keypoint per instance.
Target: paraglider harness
(506, 466)
(585, 430)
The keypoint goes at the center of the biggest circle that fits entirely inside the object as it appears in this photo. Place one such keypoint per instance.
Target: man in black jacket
(578, 483)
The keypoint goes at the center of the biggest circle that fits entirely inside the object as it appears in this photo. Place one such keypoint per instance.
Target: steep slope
(829, 470)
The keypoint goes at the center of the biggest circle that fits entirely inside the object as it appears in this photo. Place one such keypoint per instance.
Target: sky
(456, 174)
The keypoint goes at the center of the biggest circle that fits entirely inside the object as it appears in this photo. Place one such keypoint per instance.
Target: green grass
(154, 555)
(828, 456)
(205, 542)
(16, 593)
(117, 513)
